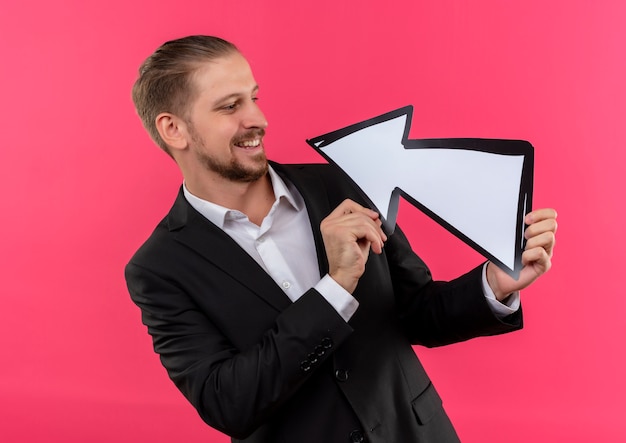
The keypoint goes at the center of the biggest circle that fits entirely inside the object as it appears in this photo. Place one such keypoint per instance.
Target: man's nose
(254, 117)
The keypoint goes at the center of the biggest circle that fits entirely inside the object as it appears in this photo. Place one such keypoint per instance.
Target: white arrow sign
(478, 189)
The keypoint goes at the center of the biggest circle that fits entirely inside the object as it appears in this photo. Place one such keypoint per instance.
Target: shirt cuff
(340, 299)
(500, 309)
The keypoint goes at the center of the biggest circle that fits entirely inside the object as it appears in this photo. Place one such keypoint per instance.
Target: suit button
(341, 374)
(327, 343)
(356, 437)
(319, 351)
(305, 365)
(312, 357)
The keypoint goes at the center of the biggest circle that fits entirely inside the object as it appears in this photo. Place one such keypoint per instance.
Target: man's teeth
(249, 143)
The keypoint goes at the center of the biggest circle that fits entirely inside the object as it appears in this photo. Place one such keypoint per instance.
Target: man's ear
(172, 130)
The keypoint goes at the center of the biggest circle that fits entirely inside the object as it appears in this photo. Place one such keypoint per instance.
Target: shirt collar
(218, 215)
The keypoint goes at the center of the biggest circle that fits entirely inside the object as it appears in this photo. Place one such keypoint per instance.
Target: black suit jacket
(263, 369)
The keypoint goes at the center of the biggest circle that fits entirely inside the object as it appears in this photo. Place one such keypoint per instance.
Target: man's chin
(249, 173)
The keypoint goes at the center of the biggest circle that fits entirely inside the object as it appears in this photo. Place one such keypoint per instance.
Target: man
(276, 302)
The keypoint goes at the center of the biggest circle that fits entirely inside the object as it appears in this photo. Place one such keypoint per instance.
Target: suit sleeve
(234, 390)
(435, 313)
(430, 313)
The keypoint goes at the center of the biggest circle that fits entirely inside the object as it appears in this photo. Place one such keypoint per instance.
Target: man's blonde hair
(165, 84)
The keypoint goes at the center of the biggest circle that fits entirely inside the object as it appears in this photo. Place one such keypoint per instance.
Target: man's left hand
(536, 259)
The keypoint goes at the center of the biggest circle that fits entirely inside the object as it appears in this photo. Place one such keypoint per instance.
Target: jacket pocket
(426, 405)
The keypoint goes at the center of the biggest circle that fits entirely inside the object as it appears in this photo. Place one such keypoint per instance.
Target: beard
(233, 170)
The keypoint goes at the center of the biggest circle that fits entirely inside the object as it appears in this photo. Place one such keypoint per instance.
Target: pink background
(82, 186)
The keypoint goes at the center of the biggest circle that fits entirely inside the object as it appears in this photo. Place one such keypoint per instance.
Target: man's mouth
(250, 139)
(248, 143)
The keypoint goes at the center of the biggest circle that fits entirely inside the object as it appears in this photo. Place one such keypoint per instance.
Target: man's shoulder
(157, 243)
(326, 172)
(163, 237)
(321, 181)
(295, 168)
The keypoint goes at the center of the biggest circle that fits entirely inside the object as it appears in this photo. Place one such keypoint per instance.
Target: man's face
(225, 124)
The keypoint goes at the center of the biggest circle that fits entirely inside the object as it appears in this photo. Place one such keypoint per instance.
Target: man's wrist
(343, 302)
(492, 282)
(504, 307)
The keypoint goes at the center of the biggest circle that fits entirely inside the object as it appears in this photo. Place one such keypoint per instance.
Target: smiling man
(277, 304)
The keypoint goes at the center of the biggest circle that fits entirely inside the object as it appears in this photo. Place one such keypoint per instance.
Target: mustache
(249, 135)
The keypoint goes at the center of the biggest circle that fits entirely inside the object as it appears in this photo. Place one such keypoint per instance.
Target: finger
(351, 213)
(545, 240)
(539, 215)
(356, 227)
(538, 258)
(367, 231)
(539, 227)
(351, 207)
(376, 223)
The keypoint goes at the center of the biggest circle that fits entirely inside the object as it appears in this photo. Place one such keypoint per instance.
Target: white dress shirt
(284, 247)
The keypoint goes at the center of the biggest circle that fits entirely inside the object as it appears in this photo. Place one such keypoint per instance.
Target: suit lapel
(199, 234)
(315, 194)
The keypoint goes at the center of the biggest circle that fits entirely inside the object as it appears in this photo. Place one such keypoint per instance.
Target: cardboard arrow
(478, 189)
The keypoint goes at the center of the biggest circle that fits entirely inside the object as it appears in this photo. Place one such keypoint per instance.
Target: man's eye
(255, 99)
(231, 107)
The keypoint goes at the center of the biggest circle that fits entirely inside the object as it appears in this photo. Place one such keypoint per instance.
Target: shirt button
(260, 239)
(286, 285)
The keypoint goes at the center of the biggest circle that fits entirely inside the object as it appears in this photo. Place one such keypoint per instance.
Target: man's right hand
(349, 232)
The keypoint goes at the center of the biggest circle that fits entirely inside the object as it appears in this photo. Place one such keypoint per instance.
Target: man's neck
(254, 199)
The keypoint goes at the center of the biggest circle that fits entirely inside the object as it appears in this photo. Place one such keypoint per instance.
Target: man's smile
(248, 143)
